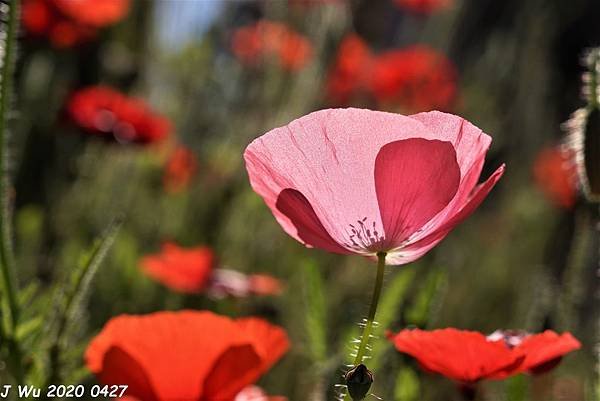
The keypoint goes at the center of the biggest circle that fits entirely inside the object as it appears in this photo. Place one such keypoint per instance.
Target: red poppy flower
(542, 351)
(70, 22)
(416, 78)
(193, 270)
(185, 270)
(423, 6)
(252, 43)
(226, 282)
(463, 356)
(351, 70)
(263, 284)
(355, 181)
(555, 174)
(95, 13)
(187, 356)
(469, 356)
(104, 111)
(179, 169)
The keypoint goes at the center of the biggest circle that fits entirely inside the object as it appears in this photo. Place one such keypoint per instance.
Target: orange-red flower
(188, 355)
(469, 356)
(70, 22)
(227, 282)
(179, 169)
(542, 351)
(416, 78)
(185, 270)
(463, 356)
(554, 172)
(350, 72)
(266, 39)
(193, 270)
(108, 113)
(423, 6)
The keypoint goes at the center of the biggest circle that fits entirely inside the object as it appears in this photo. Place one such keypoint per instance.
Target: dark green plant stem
(366, 335)
(9, 294)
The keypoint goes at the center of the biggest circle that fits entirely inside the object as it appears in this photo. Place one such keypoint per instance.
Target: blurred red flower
(542, 351)
(227, 282)
(187, 355)
(263, 284)
(460, 355)
(469, 356)
(106, 112)
(417, 78)
(355, 181)
(184, 270)
(70, 22)
(423, 6)
(253, 43)
(554, 172)
(351, 70)
(194, 270)
(179, 169)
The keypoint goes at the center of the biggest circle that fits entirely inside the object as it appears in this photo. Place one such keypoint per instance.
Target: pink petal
(329, 157)
(471, 146)
(469, 141)
(415, 250)
(415, 179)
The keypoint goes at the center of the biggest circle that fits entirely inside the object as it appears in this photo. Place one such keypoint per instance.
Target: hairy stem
(10, 13)
(364, 341)
(366, 335)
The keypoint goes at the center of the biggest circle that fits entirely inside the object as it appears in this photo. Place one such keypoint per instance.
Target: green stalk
(364, 341)
(366, 335)
(9, 294)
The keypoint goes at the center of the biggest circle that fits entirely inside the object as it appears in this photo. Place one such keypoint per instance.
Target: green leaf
(29, 327)
(72, 295)
(315, 312)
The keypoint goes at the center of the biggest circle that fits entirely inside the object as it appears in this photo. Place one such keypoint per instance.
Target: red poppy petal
(234, 370)
(415, 179)
(181, 269)
(546, 347)
(298, 209)
(119, 367)
(464, 356)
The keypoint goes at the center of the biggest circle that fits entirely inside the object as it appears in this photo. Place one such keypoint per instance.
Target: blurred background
(142, 110)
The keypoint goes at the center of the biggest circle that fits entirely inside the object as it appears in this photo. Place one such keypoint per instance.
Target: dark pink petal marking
(478, 195)
(298, 209)
(414, 179)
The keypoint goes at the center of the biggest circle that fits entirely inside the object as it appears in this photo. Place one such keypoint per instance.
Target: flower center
(511, 338)
(364, 236)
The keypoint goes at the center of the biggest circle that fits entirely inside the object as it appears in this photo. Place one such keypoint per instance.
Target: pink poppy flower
(355, 181)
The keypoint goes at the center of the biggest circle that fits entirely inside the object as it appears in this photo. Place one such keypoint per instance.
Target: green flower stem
(9, 289)
(364, 341)
(366, 335)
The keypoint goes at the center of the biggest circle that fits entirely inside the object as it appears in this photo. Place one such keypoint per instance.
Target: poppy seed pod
(591, 155)
(358, 380)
